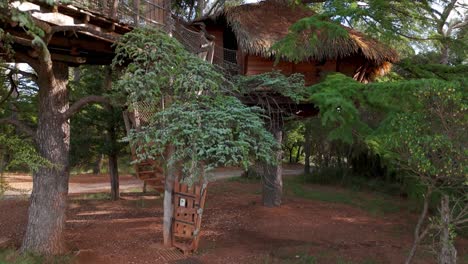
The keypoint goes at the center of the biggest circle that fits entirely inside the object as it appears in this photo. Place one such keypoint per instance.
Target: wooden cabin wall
(257, 65)
(217, 32)
(154, 10)
(313, 71)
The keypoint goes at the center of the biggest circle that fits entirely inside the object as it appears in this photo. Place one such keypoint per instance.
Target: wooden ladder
(152, 174)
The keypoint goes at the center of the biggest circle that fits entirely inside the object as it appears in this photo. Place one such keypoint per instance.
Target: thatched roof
(258, 26)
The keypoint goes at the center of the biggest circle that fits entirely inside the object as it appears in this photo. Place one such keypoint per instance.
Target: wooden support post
(114, 9)
(136, 6)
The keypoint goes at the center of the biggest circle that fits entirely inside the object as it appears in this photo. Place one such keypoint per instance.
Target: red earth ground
(235, 229)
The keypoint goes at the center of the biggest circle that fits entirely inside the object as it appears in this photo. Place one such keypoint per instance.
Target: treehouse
(244, 36)
(82, 32)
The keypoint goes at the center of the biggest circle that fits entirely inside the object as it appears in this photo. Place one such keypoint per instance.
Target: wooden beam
(68, 59)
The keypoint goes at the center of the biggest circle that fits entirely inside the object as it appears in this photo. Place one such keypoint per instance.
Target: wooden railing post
(136, 6)
(114, 9)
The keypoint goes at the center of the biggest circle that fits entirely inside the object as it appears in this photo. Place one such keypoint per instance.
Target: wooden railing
(130, 12)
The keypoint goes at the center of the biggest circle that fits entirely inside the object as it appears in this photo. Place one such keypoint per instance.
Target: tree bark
(291, 154)
(200, 8)
(272, 178)
(97, 165)
(447, 252)
(307, 148)
(418, 235)
(114, 176)
(48, 203)
(168, 204)
(298, 153)
(114, 151)
(254, 171)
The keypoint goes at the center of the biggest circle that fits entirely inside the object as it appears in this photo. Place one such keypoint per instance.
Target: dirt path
(235, 229)
(21, 184)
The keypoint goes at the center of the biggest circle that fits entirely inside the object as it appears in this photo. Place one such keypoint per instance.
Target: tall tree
(97, 127)
(46, 219)
(198, 126)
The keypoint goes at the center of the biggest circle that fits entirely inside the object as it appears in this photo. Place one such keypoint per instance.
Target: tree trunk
(97, 165)
(3, 185)
(291, 154)
(444, 56)
(272, 178)
(48, 203)
(418, 235)
(447, 252)
(168, 205)
(200, 8)
(254, 171)
(307, 148)
(298, 153)
(114, 176)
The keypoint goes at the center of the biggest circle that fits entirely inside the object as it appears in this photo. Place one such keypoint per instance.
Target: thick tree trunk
(168, 205)
(447, 252)
(48, 203)
(114, 176)
(273, 178)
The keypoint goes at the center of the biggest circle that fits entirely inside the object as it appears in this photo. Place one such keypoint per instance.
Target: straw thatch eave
(260, 25)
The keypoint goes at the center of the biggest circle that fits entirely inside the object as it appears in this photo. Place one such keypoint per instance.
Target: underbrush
(12, 256)
(378, 204)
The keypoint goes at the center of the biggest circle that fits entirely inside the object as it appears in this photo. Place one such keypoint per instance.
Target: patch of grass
(147, 203)
(464, 259)
(244, 179)
(94, 196)
(11, 256)
(380, 204)
(301, 258)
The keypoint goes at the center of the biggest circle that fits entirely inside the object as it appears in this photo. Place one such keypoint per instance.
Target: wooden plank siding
(313, 71)
(156, 11)
(218, 33)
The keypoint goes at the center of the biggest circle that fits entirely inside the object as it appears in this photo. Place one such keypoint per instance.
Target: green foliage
(407, 26)
(90, 126)
(14, 257)
(380, 204)
(293, 140)
(21, 152)
(210, 131)
(157, 65)
(337, 98)
(408, 69)
(422, 126)
(206, 127)
(429, 136)
(15, 152)
(312, 37)
(291, 86)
